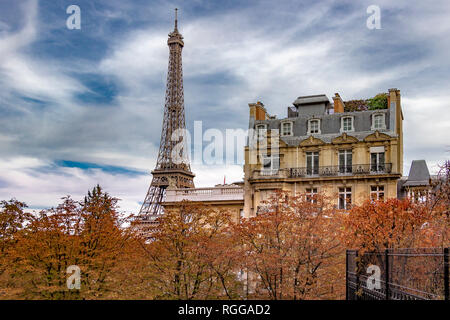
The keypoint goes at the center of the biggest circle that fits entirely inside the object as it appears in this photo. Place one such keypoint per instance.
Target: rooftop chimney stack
(258, 111)
(338, 103)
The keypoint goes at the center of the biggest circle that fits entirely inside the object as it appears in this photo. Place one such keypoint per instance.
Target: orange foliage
(393, 223)
(292, 250)
(86, 234)
(191, 256)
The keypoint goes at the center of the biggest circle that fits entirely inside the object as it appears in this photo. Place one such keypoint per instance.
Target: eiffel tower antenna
(172, 166)
(176, 18)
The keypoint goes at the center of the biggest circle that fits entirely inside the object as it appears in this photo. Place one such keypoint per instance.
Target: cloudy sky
(81, 107)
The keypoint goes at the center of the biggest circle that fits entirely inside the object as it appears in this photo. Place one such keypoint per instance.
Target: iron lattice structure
(172, 167)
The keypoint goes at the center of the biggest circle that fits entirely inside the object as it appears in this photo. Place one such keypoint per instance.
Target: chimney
(338, 103)
(393, 97)
(396, 123)
(257, 111)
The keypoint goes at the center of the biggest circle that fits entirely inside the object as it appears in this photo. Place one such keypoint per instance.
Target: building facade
(319, 148)
(229, 197)
(418, 184)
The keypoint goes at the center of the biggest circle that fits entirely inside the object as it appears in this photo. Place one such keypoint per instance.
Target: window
(347, 124)
(261, 131)
(311, 194)
(418, 195)
(377, 161)
(345, 198)
(377, 192)
(271, 164)
(312, 163)
(314, 126)
(345, 161)
(378, 122)
(286, 129)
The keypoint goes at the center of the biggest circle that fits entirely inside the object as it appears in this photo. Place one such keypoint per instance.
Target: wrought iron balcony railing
(355, 169)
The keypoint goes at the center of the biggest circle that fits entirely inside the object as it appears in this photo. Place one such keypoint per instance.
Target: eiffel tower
(172, 167)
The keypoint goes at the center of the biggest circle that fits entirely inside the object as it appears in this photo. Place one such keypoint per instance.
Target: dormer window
(314, 126)
(286, 129)
(347, 124)
(261, 130)
(378, 122)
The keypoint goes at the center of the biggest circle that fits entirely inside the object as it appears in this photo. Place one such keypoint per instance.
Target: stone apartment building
(319, 147)
(349, 156)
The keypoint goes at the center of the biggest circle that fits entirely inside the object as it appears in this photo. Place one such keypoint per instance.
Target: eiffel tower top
(175, 36)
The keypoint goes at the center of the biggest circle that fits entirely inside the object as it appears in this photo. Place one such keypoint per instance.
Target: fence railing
(398, 274)
(205, 194)
(325, 171)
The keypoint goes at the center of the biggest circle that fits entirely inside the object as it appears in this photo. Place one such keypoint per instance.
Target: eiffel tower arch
(172, 167)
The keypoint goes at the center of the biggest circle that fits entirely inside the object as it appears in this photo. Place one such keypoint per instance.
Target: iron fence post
(446, 275)
(357, 276)
(346, 274)
(386, 255)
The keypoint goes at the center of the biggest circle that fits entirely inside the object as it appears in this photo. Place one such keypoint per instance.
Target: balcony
(324, 171)
(332, 171)
(270, 174)
(206, 194)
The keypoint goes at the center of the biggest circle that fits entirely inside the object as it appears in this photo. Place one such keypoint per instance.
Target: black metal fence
(398, 274)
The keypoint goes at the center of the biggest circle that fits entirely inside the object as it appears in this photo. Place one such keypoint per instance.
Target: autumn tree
(101, 240)
(389, 224)
(86, 234)
(12, 220)
(375, 226)
(44, 250)
(191, 254)
(438, 203)
(291, 249)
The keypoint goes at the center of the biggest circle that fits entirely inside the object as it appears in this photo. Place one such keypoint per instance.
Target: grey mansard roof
(330, 125)
(320, 98)
(317, 107)
(327, 138)
(418, 174)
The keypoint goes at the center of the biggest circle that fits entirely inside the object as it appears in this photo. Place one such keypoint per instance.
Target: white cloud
(29, 180)
(28, 75)
(262, 53)
(209, 176)
(11, 42)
